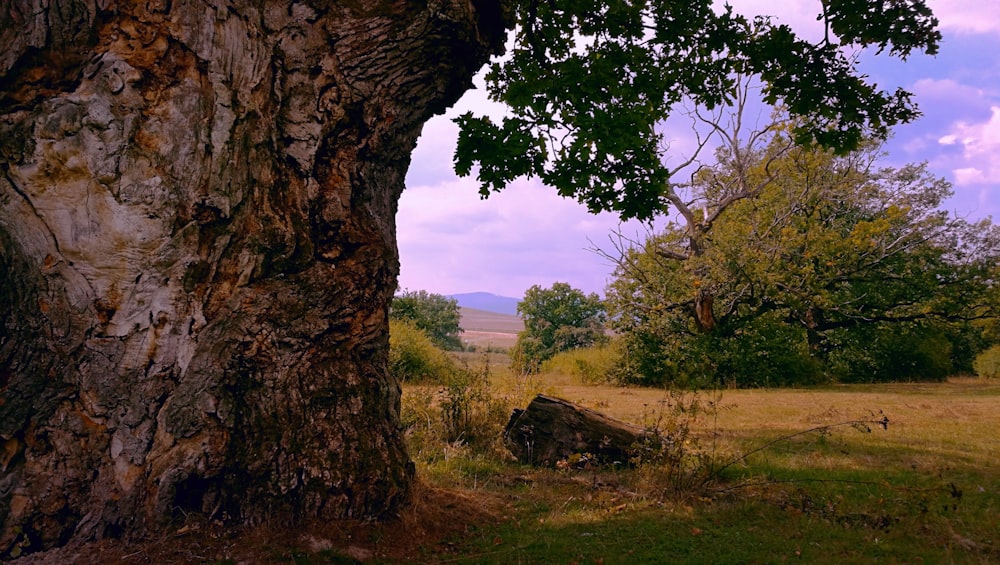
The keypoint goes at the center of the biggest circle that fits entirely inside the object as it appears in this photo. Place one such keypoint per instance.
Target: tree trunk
(704, 315)
(551, 430)
(197, 251)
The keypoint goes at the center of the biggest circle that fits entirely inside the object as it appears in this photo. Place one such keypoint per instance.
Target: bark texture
(197, 250)
(551, 430)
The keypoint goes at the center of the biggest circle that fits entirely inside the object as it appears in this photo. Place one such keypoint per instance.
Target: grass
(926, 489)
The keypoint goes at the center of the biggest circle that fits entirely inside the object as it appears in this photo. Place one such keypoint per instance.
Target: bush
(892, 353)
(764, 352)
(590, 365)
(413, 357)
(987, 363)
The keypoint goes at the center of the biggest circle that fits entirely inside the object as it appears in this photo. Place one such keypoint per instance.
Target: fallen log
(551, 430)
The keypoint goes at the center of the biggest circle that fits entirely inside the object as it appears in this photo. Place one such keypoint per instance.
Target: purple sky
(451, 241)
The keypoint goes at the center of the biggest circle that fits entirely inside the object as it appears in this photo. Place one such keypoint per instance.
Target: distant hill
(487, 301)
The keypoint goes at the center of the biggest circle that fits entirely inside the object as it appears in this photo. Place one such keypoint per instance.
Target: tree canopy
(588, 83)
(838, 266)
(556, 319)
(436, 315)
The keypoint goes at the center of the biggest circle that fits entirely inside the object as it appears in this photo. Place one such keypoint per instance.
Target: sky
(451, 241)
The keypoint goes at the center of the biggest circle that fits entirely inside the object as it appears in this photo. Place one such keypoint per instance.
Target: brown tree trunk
(197, 250)
(704, 315)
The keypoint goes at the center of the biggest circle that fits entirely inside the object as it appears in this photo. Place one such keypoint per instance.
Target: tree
(556, 319)
(836, 265)
(438, 316)
(197, 253)
(197, 233)
(589, 83)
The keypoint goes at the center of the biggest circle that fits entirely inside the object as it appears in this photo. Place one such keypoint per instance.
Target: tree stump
(551, 430)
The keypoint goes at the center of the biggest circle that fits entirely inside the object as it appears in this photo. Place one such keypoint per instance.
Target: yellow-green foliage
(589, 365)
(413, 357)
(987, 363)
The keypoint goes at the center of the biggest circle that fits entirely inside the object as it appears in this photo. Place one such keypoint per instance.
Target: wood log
(551, 430)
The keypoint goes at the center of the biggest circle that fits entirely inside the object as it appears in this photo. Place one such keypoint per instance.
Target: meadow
(830, 487)
(895, 473)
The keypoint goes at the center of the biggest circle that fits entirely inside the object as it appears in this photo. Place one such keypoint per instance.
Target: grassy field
(926, 489)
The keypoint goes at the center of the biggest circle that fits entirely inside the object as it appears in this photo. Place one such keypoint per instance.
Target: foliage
(589, 365)
(834, 269)
(438, 316)
(987, 363)
(413, 357)
(556, 319)
(892, 352)
(588, 84)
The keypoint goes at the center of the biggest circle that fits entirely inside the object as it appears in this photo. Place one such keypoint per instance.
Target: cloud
(948, 90)
(972, 151)
(451, 241)
(964, 16)
(981, 149)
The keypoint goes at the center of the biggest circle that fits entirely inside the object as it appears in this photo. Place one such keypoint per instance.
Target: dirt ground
(419, 533)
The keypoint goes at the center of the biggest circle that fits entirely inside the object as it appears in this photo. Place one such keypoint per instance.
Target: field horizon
(483, 328)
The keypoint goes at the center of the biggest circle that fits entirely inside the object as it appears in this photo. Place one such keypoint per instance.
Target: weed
(465, 414)
(674, 459)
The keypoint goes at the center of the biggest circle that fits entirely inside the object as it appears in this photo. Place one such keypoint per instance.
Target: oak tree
(197, 236)
(197, 254)
(556, 319)
(835, 262)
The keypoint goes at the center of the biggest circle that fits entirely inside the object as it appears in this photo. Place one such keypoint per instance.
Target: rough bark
(551, 430)
(197, 250)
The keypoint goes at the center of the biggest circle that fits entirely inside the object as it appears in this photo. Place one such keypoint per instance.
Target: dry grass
(953, 423)
(923, 490)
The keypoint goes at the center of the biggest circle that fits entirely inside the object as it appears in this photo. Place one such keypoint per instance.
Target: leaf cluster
(436, 315)
(588, 82)
(557, 319)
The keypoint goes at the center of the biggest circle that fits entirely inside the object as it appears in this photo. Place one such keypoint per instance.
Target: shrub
(987, 363)
(413, 357)
(589, 365)
(892, 353)
(763, 352)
